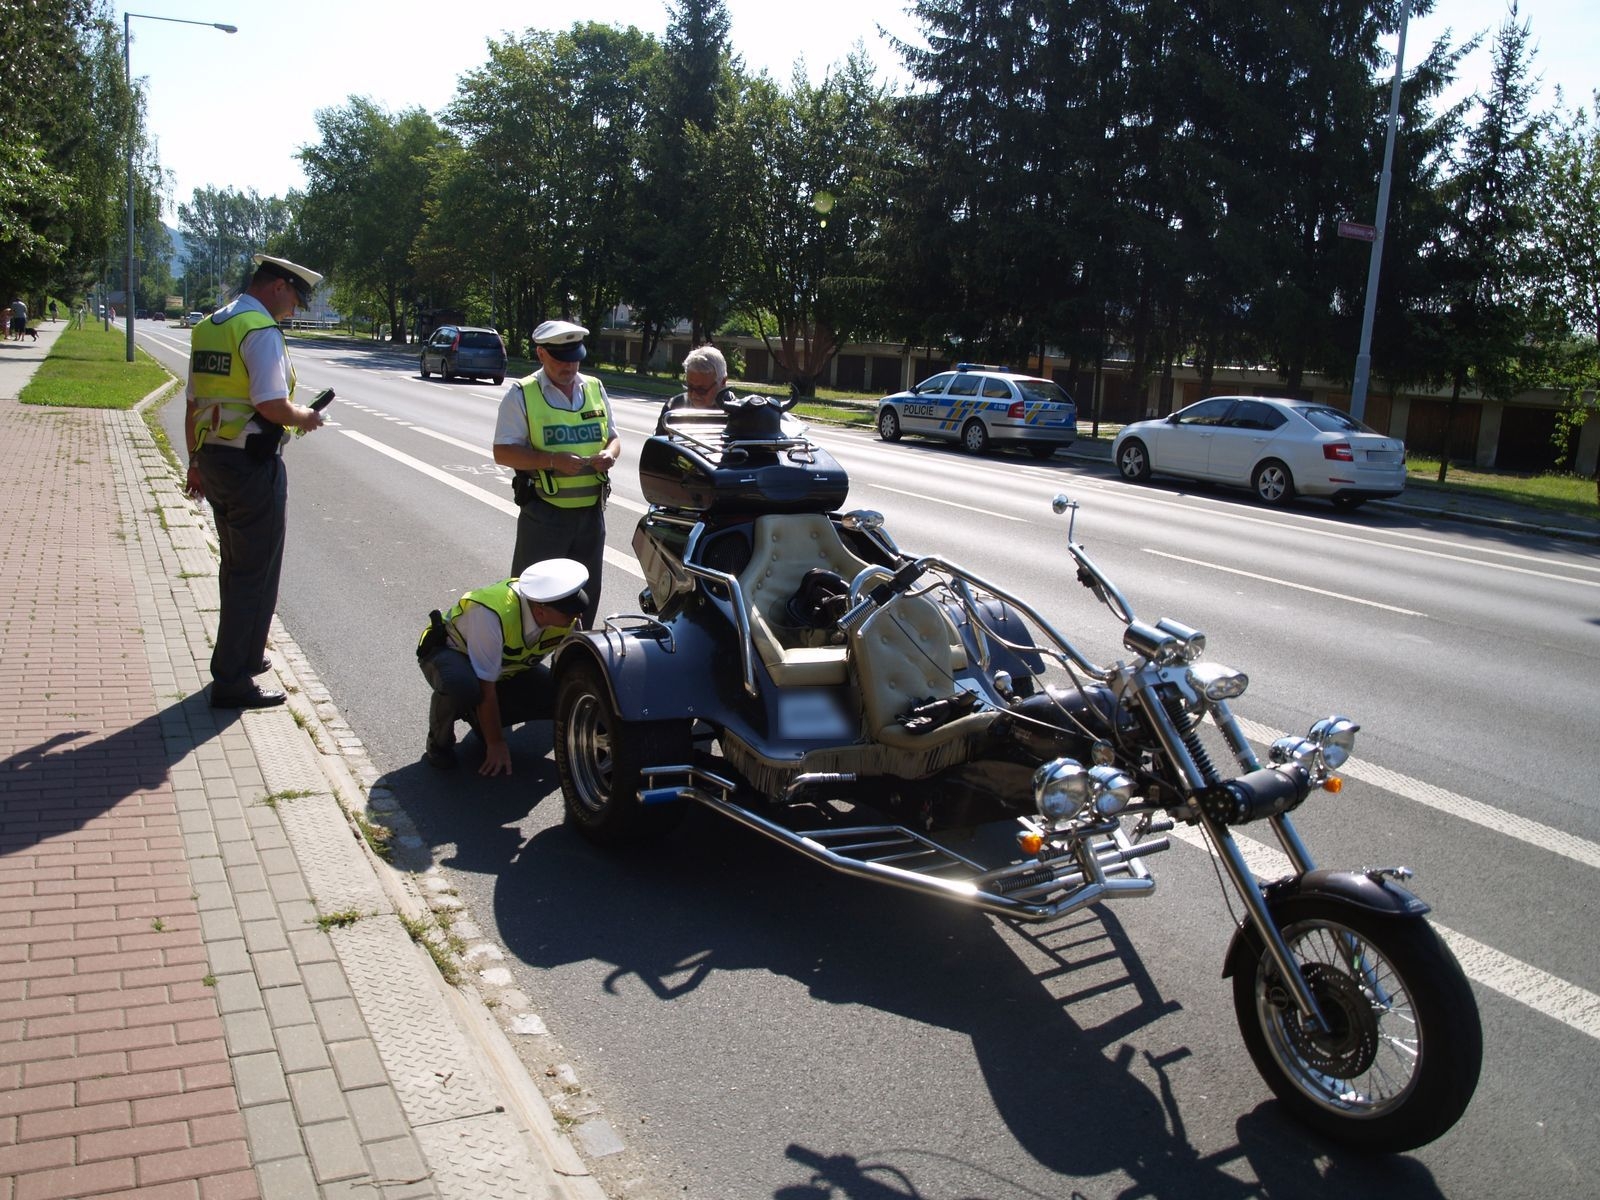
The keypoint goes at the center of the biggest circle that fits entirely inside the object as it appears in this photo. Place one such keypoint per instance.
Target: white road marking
(500, 503)
(937, 500)
(1545, 837)
(1301, 587)
(1575, 1007)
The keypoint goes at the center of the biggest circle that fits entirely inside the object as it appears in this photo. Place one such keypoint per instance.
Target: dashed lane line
(1299, 587)
(1496, 820)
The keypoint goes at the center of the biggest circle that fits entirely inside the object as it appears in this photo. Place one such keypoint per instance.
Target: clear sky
(231, 110)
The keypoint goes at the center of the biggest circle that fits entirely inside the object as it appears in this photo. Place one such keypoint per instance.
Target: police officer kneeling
(482, 658)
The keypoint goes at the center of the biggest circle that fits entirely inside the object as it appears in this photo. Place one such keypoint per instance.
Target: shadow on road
(716, 898)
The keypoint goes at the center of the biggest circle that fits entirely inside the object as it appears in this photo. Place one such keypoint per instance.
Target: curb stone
(355, 785)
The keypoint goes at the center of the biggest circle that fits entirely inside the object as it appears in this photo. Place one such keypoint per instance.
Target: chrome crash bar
(1102, 866)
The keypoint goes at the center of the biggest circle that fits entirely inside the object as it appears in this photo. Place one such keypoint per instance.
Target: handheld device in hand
(324, 398)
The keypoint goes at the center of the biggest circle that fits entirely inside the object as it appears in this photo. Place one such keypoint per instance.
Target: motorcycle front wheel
(601, 759)
(1401, 1058)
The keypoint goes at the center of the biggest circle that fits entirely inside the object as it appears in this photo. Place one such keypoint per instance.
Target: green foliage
(62, 159)
(1549, 491)
(1147, 178)
(222, 230)
(803, 164)
(685, 239)
(363, 209)
(1569, 216)
(534, 199)
(1489, 254)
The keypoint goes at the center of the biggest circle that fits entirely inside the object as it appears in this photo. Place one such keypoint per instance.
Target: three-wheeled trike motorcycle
(793, 669)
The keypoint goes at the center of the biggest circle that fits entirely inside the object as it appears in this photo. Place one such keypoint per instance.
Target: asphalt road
(754, 1026)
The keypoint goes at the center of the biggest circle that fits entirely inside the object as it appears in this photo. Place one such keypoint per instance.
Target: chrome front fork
(1244, 880)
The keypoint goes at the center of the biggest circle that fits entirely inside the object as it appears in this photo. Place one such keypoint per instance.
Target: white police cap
(557, 582)
(295, 272)
(559, 333)
(562, 340)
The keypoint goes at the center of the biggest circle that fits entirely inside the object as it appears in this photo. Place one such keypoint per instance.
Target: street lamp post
(1358, 386)
(127, 72)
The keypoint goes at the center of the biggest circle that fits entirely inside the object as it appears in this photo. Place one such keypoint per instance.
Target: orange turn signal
(1333, 784)
(1031, 843)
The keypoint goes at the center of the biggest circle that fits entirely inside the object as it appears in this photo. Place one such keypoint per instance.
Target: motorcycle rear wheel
(601, 757)
(1401, 1060)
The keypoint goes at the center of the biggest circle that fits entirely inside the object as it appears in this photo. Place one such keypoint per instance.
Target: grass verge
(1548, 492)
(88, 368)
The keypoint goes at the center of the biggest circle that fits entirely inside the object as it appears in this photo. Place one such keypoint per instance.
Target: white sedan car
(1277, 448)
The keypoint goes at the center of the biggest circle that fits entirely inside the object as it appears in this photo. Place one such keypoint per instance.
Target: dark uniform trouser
(529, 695)
(545, 531)
(250, 499)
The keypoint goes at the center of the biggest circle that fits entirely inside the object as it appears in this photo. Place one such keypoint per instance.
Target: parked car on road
(193, 318)
(1277, 448)
(466, 350)
(980, 407)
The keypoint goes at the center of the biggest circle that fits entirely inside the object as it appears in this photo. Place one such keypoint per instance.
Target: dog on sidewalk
(31, 332)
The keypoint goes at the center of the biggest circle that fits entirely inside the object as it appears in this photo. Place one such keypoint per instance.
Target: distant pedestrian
(78, 315)
(240, 396)
(555, 431)
(52, 312)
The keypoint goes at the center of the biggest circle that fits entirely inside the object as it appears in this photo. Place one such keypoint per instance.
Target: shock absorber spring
(1187, 725)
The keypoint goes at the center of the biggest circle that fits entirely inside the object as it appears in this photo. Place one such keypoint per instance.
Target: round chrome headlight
(1060, 789)
(1337, 737)
(1113, 789)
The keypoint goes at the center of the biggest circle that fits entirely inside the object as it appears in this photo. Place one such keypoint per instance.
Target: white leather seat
(783, 548)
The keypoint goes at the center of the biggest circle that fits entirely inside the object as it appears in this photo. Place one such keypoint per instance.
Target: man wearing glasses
(555, 431)
(239, 406)
(705, 375)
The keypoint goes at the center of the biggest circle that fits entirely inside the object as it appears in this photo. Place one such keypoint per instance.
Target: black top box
(703, 470)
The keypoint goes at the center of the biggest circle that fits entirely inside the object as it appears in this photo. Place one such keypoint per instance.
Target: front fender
(652, 679)
(1382, 896)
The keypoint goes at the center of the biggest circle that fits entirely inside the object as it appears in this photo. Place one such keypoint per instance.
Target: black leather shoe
(247, 696)
(262, 667)
(441, 757)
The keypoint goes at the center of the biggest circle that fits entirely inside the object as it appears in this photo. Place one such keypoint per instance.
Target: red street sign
(1358, 231)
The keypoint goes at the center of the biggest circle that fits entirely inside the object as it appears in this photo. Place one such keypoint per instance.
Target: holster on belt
(263, 446)
(435, 637)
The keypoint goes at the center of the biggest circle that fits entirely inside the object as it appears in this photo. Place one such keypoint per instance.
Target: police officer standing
(555, 431)
(239, 406)
(482, 658)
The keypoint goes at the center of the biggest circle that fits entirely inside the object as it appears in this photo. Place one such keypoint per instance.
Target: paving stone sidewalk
(207, 986)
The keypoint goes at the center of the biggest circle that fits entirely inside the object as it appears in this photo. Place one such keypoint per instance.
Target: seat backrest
(903, 655)
(783, 548)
